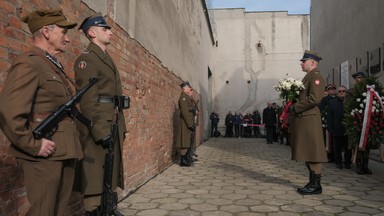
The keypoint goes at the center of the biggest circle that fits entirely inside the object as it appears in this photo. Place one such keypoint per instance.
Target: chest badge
(317, 82)
(82, 65)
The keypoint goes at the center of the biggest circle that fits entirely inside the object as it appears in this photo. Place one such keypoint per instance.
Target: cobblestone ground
(247, 177)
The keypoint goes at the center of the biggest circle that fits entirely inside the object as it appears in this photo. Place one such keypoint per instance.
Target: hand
(48, 148)
(106, 141)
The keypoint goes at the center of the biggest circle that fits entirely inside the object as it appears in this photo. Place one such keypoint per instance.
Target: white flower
(358, 99)
(297, 92)
(364, 94)
(362, 105)
(365, 101)
(374, 102)
(360, 111)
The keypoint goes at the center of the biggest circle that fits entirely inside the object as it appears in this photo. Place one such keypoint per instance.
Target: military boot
(365, 168)
(95, 212)
(311, 175)
(359, 164)
(185, 161)
(313, 187)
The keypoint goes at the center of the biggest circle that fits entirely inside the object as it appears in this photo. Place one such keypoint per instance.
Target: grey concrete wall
(175, 31)
(347, 30)
(238, 58)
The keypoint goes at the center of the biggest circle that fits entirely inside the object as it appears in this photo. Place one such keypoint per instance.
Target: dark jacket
(269, 116)
(335, 117)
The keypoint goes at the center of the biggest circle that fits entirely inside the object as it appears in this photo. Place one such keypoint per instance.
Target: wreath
(364, 114)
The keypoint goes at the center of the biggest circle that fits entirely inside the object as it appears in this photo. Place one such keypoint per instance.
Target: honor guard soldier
(99, 106)
(307, 135)
(187, 127)
(35, 87)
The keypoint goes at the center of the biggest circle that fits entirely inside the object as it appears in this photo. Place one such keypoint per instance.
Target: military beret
(309, 54)
(358, 74)
(186, 83)
(43, 17)
(94, 20)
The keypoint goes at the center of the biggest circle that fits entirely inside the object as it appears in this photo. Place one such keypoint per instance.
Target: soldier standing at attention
(98, 105)
(307, 135)
(186, 125)
(35, 87)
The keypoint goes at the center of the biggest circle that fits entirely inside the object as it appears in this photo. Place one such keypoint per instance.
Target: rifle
(108, 204)
(48, 126)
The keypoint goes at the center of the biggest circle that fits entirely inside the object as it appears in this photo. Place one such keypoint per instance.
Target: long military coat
(307, 135)
(94, 62)
(187, 120)
(34, 88)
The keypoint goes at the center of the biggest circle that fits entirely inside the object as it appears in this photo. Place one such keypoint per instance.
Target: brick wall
(151, 121)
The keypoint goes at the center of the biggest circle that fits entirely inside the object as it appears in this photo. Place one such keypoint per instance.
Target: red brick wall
(152, 119)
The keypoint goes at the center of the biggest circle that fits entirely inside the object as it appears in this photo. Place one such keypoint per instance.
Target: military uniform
(306, 130)
(186, 125)
(307, 135)
(35, 87)
(98, 105)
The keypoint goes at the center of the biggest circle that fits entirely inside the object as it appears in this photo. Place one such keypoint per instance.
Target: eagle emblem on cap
(82, 65)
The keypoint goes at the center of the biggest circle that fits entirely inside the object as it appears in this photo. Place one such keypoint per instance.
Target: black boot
(359, 164)
(313, 187)
(185, 161)
(311, 175)
(365, 169)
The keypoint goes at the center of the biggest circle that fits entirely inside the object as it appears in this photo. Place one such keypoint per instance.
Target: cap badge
(317, 82)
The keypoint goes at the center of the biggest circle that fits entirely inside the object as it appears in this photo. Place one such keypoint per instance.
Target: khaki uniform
(93, 62)
(187, 120)
(307, 135)
(33, 90)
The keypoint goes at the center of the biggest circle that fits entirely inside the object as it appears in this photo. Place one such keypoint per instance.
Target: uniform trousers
(48, 185)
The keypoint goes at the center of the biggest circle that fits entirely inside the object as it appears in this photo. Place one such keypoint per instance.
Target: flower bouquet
(289, 90)
(364, 114)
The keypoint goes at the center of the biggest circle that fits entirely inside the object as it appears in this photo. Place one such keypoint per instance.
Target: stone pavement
(247, 177)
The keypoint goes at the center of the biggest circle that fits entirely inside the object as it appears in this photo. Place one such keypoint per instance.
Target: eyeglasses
(341, 90)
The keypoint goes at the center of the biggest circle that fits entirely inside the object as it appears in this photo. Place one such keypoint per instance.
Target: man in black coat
(269, 120)
(335, 116)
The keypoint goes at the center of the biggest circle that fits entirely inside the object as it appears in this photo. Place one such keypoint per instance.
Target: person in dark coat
(256, 119)
(98, 105)
(229, 124)
(335, 116)
(36, 85)
(214, 122)
(269, 120)
(306, 131)
(236, 123)
(323, 106)
(187, 125)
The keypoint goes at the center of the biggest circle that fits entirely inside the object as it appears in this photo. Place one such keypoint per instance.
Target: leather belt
(106, 99)
(39, 117)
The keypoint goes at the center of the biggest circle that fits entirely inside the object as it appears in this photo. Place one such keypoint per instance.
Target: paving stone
(246, 177)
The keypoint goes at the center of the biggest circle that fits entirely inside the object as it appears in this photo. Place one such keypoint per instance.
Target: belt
(106, 99)
(39, 117)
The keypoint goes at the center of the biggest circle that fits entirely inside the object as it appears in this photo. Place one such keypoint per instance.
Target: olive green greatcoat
(94, 62)
(307, 134)
(34, 88)
(187, 118)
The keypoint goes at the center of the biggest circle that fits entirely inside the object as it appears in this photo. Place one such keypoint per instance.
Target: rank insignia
(317, 82)
(82, 65)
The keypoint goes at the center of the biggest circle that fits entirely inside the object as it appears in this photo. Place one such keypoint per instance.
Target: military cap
(309, 54)
(43, 17)
(186, 83)
(358, 74)
(94, 20)
(331, 86)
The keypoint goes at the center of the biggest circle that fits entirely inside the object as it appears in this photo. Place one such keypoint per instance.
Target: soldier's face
(57, 39)
(102, 35)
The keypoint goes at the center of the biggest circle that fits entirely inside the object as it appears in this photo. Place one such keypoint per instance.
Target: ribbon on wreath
(371, 94)
(284, 115)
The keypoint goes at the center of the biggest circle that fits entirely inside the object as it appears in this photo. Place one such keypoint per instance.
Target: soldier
(98, 105)
(307, 135)
(187, 125)
(36, 86)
